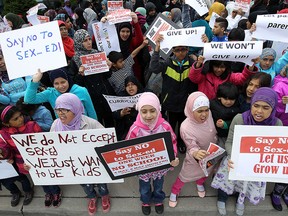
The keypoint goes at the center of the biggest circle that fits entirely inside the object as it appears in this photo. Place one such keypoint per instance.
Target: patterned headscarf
(268, 52)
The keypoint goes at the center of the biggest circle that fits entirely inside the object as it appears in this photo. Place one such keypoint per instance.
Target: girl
(263, 111)
(197, 131)
(62, 84)
(149, 121)
(70, 111)
(12, 122)
(219, 72)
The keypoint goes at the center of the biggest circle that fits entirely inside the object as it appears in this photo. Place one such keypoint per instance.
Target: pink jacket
(208, 83)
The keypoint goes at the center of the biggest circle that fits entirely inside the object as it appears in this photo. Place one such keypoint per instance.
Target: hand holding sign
(200, 61)
(175, 162)
(200, 154)
(37, 77)
(134, 17)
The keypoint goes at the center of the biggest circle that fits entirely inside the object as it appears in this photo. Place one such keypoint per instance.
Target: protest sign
(280, 48)
(160, 23)
(7, 170)
(182, 37)
(32, 16)
(137, 156)
(94, 63)
(43, 19)
(212, 19)
(243, 4)
(240, 51)
(117, 103)
(114, 5)
(214, 151)
(259, 153)
(199, 5)
(272, 27)
(119, 16)
(65, 157)
(106, 37)
(3, 26)
(29, 49)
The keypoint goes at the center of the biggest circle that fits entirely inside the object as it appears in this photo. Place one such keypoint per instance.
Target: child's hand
(283, 72)
(253, 28)
(27, 167)
(134, 17)
(159, 38)
(145, 41)
(103, 19)
(37, 77)
(200, 61)
(200, 154)
(109, 63)
(285, 99)
(125, 111)
(255, 61)
(81, 70)
(230, 165)
(204, 38)
(175, 162)
(220, 123)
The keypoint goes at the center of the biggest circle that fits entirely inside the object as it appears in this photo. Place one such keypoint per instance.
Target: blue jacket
(43, 118)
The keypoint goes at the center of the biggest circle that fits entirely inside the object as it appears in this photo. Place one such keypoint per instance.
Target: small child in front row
(149, 121)
(197, 131)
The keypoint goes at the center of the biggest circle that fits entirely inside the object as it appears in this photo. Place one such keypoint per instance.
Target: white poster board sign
(117, 103)
(259, 153)
(243, 4)
(106, 37)
(7, 170)
(65, 157)
(199, 5)
(240, 51)
(272, 27)
(182, 37)
(29, 49)
(280, 48)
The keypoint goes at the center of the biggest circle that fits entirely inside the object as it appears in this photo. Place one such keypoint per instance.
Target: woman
(66, 19)
(217, 8)
(62, 84)
(96, 84)
(79, 19)
(14, 21)
(263, 111)
(68, 42)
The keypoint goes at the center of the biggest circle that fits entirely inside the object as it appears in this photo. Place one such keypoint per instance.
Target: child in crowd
(219, 29)
(121, 68)
(219, 72)
(12, 122)
(37, 113)
(197, 131)
(70, 111)
(127, 116)
(151, 12)
(149, 121)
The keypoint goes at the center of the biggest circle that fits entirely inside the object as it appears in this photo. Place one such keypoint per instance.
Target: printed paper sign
(182, 37)
(3, 26)
(119, 16)
(114, 5)
(243, 4)
(199, 5)
(259, 153)
(137, 156)
(106, 37)
(272, 27)
(7, 170)
(65, 157)
(32, 16)
(161, 23)
(117, 103)
(29, 49)
(280, 48)
(94, 63)
(212, 19)
(43, 19)
(240, 51)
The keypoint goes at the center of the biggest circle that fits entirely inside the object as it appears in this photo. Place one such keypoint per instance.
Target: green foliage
(18, 6)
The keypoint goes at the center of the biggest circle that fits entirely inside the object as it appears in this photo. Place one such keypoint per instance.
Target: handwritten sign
(182, 37)
(36, 47)
(119, 16)
(106, 37)
(117, 103)
(240, 51)
(7, 170)
(272, 27)
(137, 156)
(243, 4)
(161, 23)
(259, 153)
(199, 5)
(66, 157)
(94, 63)
(114, 5)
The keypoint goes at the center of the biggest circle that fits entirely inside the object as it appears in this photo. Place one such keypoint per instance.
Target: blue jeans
(9, 184)
(147, 195)
(90, 191)
(51, 189)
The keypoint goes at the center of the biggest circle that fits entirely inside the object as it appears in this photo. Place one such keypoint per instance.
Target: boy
(219, 29)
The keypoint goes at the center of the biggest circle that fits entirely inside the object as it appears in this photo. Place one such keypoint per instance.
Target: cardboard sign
(94, 63)
(29, 49)
(106, 37)
(65, 157)
(160, 23)
(243, 4)
(114, 5)
(119, 16)
(137, 156)
(7, 170)
(117, 103)
(182, 37)
(240, 51)
(199, 5)
(272, 27)
(259, 153)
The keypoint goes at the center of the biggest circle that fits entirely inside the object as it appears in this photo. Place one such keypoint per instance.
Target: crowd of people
(198, 102)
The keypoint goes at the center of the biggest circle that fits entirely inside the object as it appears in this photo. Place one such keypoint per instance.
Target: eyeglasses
(180, 50)
(63, 111)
